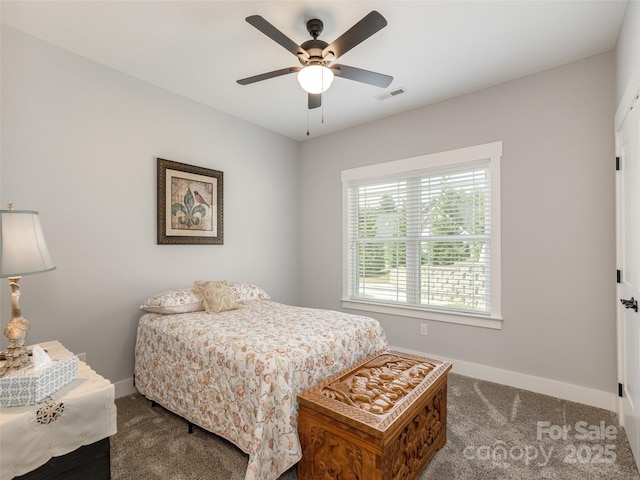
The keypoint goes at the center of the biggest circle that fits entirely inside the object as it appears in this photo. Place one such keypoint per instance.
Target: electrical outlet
(423, 329)
(82, 357)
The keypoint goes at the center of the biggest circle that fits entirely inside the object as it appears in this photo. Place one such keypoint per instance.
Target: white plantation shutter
(422, 237)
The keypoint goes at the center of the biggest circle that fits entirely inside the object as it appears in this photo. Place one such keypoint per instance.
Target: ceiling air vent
(392, 93)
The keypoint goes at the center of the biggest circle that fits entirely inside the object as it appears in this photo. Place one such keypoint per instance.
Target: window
(422, 236)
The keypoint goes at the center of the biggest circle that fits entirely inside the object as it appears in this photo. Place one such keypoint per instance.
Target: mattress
(237, 373)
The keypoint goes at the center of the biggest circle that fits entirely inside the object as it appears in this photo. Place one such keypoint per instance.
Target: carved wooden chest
(381, 419)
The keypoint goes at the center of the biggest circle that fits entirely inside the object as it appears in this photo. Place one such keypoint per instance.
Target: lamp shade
(315, 78)
(23, 250)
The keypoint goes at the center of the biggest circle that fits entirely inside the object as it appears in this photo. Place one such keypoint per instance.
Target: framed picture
(190, 209)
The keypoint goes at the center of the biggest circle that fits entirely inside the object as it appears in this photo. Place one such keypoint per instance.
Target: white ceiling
(434, 49)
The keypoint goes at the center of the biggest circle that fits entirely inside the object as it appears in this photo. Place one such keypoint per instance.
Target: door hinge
(617, 163)
(618, 276)
(620, 389)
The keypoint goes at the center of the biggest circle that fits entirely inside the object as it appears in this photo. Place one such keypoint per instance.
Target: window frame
(489, 151)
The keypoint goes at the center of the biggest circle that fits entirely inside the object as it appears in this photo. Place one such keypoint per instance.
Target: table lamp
(23, 251)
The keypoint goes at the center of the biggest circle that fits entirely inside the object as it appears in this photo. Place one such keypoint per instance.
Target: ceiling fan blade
(315, 100)
(370, 24)
(266, 76)
(360, 75)
(277, 36)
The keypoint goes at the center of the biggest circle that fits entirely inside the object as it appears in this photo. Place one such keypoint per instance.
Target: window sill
(493, 322)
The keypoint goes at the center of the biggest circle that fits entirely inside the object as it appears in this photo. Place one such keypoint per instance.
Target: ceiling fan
(316, 56)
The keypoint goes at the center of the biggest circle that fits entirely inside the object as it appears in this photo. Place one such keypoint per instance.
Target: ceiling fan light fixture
(315, 78)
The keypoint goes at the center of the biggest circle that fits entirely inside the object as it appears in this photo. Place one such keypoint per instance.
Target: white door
(628, 246)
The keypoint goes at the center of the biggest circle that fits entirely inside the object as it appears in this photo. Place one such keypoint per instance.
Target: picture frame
(190, 204)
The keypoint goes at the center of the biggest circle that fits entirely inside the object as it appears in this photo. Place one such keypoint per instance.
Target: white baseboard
(124, 388)
(545, 386)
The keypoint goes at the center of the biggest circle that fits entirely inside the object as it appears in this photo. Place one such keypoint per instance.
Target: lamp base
(16, 330)
(17, 356)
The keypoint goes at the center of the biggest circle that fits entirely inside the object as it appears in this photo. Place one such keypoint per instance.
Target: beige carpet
(493, 432)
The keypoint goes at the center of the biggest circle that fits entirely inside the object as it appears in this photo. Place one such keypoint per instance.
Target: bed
(236, 373)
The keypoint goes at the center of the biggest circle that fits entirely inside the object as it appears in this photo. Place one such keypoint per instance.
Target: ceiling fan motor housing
(314, 48)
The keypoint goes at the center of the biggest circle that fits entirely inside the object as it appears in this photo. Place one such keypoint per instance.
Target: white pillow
(181, 300)
(247, 291)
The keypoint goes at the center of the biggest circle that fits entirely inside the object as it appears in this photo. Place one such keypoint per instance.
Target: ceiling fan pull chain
(307, 122)
(322, 104)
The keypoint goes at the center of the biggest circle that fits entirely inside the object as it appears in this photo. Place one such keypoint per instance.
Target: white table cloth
(80, 413)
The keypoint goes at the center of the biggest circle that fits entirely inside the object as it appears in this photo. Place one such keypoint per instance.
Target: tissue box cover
(28, 388)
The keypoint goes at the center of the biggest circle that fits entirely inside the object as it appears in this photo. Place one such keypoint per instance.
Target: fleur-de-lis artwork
(192, 210)
(190, 204)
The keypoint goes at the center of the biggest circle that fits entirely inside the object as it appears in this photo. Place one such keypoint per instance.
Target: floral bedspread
(237, 373)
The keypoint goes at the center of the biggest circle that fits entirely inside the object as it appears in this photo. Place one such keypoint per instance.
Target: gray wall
(558, 245)
(79, 144)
